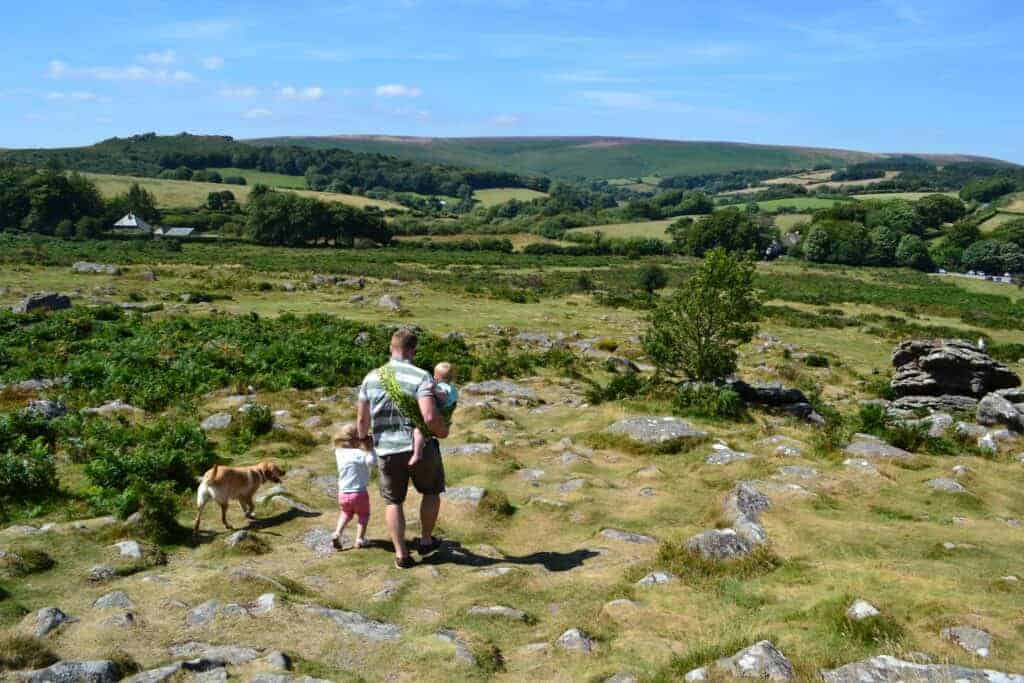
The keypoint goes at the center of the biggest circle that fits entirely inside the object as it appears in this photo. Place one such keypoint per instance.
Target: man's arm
(363, 419)
(432, 416)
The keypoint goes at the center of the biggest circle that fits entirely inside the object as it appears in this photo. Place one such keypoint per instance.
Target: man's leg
(395, 516)
(430, 507)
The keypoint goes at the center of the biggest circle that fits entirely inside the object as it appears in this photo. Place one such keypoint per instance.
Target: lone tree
(652, 277)
(696, 330)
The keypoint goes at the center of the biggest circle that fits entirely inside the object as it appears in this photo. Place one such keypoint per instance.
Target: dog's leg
(250, 508)
(224, 516)
(201, 501)
(247, 507)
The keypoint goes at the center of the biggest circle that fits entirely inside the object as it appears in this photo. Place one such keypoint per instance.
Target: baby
(354, 457)
(447, 399)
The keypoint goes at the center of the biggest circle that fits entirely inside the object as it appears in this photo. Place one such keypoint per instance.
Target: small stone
(574, 640)
(961, 471)
(622, 677)
(463, 653)
(319, 541)
(531, 475)
(618, 610)
(945, 485)
(238, 537)
(358, 624)
(627, 537)
(797, 472)
(860, 464)
(499, 611)
(49, 619)
(723, 455)
(761, 660)
(700, 674)
(656, 430)
(861, 609)
(116, 599)
(101, 572)
(466, 495)
(264, 604)
(467, 449)
(216, 421)
(129, 548)
(202, 614)
(278, 661)
(46, 409)
(719, 544)
(98, 671)
(227, 654)
(390, 302)
(123, 620)
(972, 639)
(572, 486)
(656, 579)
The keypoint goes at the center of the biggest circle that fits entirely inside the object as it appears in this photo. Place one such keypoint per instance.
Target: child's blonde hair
(348, 437)
(443, 372)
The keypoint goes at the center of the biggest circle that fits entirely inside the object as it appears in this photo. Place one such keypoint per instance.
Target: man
(392, 437)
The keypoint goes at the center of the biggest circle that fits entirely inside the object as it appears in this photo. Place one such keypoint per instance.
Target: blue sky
(879, 75)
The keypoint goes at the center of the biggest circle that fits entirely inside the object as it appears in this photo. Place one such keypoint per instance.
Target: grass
(647, 229)
(785, 222)
(185, 193)
(500, 195)
(252, 177)
(909, 196)
(24, 652)
(999, 219)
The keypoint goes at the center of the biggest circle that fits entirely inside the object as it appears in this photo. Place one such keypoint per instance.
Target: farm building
(174, 232)
(132, 222)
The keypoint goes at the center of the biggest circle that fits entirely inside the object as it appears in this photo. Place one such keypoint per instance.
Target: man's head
(403, 344)
(444, 372)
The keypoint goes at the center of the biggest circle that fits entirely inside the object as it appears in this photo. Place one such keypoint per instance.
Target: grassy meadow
(555, 482)
(500, 195)
(647, 229)
(185, 193)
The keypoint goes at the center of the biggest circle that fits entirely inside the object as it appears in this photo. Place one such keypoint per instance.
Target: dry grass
(500, 195)
(649, 229)
(185, 193)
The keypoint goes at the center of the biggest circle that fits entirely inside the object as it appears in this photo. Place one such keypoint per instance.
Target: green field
(252, 177)
(500, 195)
(909, 196)
(650, 229)
(999, 219)
(802, 203)
(787, 221)
(591, 157)
(185, 193)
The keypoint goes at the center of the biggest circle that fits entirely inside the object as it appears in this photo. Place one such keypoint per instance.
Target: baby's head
(444, 372)
(348, 437)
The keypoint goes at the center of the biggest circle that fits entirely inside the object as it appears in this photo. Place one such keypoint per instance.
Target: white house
(132, 222)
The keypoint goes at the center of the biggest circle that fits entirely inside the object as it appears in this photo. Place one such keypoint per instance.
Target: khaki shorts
(427, 475)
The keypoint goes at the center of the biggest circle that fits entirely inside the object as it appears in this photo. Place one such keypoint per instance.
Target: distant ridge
(599, 157)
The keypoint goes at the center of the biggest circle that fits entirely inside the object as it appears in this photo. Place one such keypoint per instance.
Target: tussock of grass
(892, 515)
(606, 441)
(703, 655)
(698, 571)
(497, 505)
(24, 652)
(489, 659)
(29, 561)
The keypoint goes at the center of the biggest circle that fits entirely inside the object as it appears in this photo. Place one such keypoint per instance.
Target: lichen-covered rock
(871, 448)
(933, 367)
(761, 660)
(861, 609)
(46, 409)
(98, 671)
(575, 640)
(945, 485)
(470, 496)
(656, 430)
(390, 302)
(945, 403)
(627, 537)
(118, 599)
(358, 624)
(497, 611)
(43, 301)
(719, 544)
(465, 449)
(994, 409)
(656, 579)
(886, 669)
(216, 421)
(95, 268)
(48, 619)
(974, 640)
(723, 455)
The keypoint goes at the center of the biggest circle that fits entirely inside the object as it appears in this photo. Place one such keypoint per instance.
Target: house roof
(130, 220)
(178, 232)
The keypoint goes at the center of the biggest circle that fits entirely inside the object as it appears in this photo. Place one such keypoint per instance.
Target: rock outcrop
(947, 366)
(43, 301)
(886, 669)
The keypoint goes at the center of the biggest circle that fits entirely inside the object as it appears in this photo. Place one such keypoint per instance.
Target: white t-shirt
(354, 469)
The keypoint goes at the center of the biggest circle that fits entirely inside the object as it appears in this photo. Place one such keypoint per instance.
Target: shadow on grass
(452, 552)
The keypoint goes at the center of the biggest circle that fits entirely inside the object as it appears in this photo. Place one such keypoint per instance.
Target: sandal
(404, 562)
(361, 543)
(336, 542)
(427, 548)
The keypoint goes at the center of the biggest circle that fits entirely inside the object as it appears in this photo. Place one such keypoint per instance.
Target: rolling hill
(592, 157)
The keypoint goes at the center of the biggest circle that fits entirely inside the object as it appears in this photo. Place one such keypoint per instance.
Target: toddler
(447, 399)
(354, 457)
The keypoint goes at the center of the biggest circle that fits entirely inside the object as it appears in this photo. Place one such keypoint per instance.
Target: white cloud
(132, 72)
(77, 96)
(313, 92)
(257, 113)
(504, 120)
(213, 63)
(397, 90)
(642, 101)
(241, 91)
(160, 57)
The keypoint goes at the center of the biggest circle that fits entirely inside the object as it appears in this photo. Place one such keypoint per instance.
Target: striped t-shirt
(392, 431)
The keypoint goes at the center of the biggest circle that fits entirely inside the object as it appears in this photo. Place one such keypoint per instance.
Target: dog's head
(270, 471)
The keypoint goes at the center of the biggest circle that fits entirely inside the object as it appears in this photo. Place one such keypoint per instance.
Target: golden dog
(224, 484)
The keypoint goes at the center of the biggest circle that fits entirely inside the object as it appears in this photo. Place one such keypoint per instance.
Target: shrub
(24, 652)
(157, 506)
(627, 385)
(695, 399)
(697, 330)
(27, 472)
(994, 256)
(652, 277)
(814, 360)
(913, 253)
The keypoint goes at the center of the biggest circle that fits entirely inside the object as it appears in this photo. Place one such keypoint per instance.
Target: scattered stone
(871, 448)
(994, 409)
(861, 464)
(265, 604)
(719, 544)
(618, 610)
(98, 671)
(313, 422)
(352, 283)
(279, 661)
(723, 455)
(574, 640)
(656, 430)
(466, 495)
(700, 674)
(622, 677)
(502, 389)
(887, 669)
(531, 475)
(498, 611)
(797, 472)
(95, 268)
(390, 302)
(947, 403)
(656, 579)
(947, 366)
(43, 301)
(45, 409)
(318, 539)
(358, 624)
(463, 654)
(123, 620)
(761, 660)
(115, 407)
(129, 548)
(548, 502)
(216, 421)
(117, 599)
(946, 485)
(221, 654)
(961, 471)
(202, 614)
(48, 619)
(627, 537)
(861, 609)
(974, 640)
(572, 485)
(101, 572)
(468, 449)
